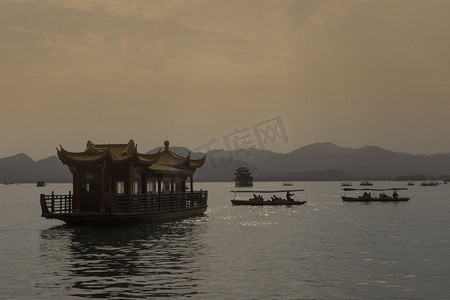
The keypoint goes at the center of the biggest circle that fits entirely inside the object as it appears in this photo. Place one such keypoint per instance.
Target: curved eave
(91, 156)
(197, 163)
(171, 159)
(176, 162)
(87, 157)
(148, 159)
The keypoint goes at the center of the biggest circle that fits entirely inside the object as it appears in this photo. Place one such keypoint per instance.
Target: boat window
(136, 184)
(151, 186)
(165, 187)
(90, 183)
(136, 188)
(108, 184)
(120, 187)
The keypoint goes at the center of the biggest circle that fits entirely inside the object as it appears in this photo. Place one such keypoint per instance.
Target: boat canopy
(380, 190)
(272, 191)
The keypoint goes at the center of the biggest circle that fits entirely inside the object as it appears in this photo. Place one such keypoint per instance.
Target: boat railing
(56, 203)
(134, 203)
(161, 202)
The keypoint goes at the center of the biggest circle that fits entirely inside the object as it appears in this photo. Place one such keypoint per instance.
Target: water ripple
(123, 262)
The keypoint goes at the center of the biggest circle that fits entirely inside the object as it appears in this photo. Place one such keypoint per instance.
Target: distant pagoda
(243, 177)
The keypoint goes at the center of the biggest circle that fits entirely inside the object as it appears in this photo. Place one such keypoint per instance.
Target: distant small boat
(346, 184)
(40, 183)
(429, 183)
(366, 183)
(287, 184)
(411, 183)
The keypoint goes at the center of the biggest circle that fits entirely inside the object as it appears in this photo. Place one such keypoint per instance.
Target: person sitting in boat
(367, 195)
(274, 198)
(288, 196)
(255, 197)
(395, 195)
(260, 198)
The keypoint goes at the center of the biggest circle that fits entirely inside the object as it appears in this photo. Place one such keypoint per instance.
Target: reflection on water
(140, 261)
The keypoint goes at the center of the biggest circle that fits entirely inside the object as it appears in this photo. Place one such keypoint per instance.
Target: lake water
(325, 249)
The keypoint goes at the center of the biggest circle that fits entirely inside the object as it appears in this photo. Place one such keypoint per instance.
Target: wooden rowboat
(262, 203)
(367, 197)
(374, 199)
(259, 201)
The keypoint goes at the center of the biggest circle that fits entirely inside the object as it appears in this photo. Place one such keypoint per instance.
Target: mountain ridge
(318, 161)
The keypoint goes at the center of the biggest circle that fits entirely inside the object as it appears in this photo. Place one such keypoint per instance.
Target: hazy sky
(353, 73)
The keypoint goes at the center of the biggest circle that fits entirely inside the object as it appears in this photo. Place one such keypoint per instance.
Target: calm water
(325, 249)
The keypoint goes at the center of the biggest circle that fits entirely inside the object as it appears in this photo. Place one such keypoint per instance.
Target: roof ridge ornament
(166, 144)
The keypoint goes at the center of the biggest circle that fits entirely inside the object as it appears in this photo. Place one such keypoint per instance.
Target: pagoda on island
(114, 183)
(243, 177)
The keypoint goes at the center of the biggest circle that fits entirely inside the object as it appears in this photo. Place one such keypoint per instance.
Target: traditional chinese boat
(367, 196)
(258, 200)
(114, 184)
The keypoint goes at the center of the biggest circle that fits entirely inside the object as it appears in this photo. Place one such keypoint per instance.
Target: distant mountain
(319, 161)
(21, 168)
(321, 148)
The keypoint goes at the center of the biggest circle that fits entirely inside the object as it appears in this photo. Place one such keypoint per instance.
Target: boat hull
(82, 218)
(369, 199)
(266, 203)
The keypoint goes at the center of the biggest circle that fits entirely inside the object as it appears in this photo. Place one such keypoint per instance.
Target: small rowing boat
(367, 196)
(258, 199)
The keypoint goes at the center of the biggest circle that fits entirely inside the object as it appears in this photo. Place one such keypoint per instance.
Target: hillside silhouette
(315, 162)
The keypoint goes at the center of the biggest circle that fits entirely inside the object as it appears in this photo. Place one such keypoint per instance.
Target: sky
(224, 74)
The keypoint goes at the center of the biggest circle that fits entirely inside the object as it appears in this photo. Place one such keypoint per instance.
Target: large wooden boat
(258, 200)
(367, 197)
(114, 184)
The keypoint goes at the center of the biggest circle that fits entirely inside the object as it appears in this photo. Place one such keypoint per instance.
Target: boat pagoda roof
(164, 161)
